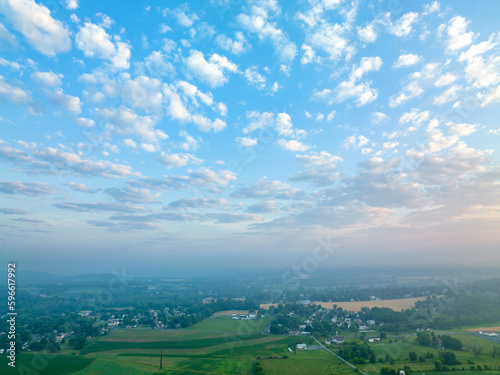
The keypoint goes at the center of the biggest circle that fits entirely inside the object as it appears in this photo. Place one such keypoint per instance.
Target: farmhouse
(301, 346)
(339, 340)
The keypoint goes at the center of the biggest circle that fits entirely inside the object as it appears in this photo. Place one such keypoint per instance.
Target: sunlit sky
(170, 135)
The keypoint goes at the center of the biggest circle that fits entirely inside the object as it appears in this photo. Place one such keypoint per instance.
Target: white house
(301, 346)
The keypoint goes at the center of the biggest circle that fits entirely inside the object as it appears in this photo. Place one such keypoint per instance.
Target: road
(339, 357)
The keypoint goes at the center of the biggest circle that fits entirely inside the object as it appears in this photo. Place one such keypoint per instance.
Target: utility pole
(294, 346)
(161, 353)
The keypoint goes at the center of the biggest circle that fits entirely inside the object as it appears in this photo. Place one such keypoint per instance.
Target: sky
(259, 134)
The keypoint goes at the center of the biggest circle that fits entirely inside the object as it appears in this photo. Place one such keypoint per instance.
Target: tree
(78, 342)
(477, 350)
(424, 339)
(438, 365)
(413, 356)
(451, 342)
(449, 358)
(383, 335)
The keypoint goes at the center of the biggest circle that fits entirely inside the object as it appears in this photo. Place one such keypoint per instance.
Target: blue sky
(244, 133)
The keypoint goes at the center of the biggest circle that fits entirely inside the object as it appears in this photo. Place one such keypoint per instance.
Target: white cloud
(387, 146)
(85, 122)
(281, 123)
(292, 145)
(130, 143)
(331, 116)
(363, 93)
(367, 34)
(177, 160)
(71, 4)
(378, 117)
(11, 64)
(447, 96)
(355, 141)
(309, 54)
(48, 79)
(125, 122)
(95, 42)
(157, 64)
(246, 142)
(214, 71)
(445, 80)
(258, 22)
(237, 46)
(403, 26)
(407, 60)
(431, 8)
(414, 117)
(458, 37)
(492, 97)
(320, 168)
(254, 78)
(148, 147)
(44, 33)
(12, 93)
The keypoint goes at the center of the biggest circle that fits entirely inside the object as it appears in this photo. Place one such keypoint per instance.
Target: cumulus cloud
(368, 33)
(177, 160)
(212, 71)
(254, 78)
(281, 123)
(13, 94)
(362, 92)
(258, 21)
(407, 60)
(236, 46)
(457, 35)
(44, 33)
(404, 25)
(355, 141)
(94, 41)
(48, 79)
(68, 102)
(246, 142)
(292, 145)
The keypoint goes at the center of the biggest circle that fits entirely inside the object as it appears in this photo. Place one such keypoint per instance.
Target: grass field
(44, 364)
(227, 324)
(399, 351)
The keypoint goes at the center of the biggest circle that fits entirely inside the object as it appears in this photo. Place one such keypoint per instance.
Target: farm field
(394, 304)
(227, 324)
(399, 350)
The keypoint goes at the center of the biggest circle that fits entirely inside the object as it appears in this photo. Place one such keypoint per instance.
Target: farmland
(394, 304)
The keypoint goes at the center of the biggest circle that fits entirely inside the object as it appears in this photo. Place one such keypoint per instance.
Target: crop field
(45, 364)
(394, 304)
(228, 324)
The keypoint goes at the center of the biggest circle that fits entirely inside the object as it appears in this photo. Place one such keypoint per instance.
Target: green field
(230, 325)
(45, 364)
(220, 349)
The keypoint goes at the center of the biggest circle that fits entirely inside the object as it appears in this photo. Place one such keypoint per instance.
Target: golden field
(394, 304)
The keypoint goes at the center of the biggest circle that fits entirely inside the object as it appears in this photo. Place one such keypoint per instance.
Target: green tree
(451, 342)
(412, 356)
(424, 339)
(438, 365)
